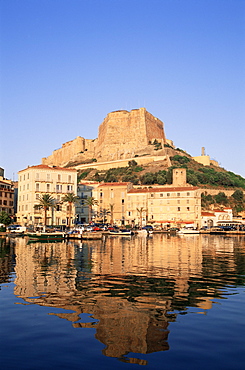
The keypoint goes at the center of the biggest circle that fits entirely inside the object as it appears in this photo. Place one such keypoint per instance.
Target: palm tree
(71, 199)
(45, 202)
(141, 210)
(90, 202)
(111, 213)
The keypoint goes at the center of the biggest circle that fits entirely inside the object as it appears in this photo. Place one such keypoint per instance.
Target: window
(178, 209)
(122, 201)
(59, 177)
(161, 195)
(101, 194)
(37, 196)
(59, 188)
(152, 195)
(48, 187)
(188, 194)
(178, 194)
(24, 177)
(168, 194)
(129, 213)
(178, 201)
(69, 178)
(27, 187)
(188, 208)
(37, 187)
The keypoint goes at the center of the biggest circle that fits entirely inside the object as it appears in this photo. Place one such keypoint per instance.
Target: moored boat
(188, 230)
(121, 232)
(44, 236)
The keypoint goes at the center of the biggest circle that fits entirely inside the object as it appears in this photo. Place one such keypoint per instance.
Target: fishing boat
(187, 230)
(121, 232)
(92, 235)
(45, 236)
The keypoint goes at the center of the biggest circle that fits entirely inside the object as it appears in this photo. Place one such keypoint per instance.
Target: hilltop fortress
(122, 135)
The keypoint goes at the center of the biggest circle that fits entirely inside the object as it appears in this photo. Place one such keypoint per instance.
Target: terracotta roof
(219, 210)
(161, 190)
(46, 167)
(208, 214)
(114, 184)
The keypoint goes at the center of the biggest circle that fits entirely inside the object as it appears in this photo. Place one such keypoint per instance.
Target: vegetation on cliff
(236, 201)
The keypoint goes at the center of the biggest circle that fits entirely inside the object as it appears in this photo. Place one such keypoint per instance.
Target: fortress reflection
(131, 288)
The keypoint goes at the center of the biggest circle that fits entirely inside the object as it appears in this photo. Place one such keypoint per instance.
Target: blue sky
(65, 64)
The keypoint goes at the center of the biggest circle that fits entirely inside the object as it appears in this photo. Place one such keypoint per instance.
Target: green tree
(71, 199)
(90, 202)
(132, 163)
(221, 198)
(238, 195)
(5, 218)
(45, 202)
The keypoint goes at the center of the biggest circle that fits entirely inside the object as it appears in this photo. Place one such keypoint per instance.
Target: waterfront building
(122, 203)
(42, 179)
(112, 202)
(217, 217)
(6, 194)
(84, 191)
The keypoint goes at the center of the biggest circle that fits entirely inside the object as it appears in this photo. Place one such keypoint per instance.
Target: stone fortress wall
(122, 135)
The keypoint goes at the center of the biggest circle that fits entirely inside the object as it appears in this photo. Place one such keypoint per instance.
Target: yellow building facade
(35, 181)
(176, 205)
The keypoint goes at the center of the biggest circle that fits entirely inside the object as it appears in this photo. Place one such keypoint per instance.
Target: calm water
(161, 302)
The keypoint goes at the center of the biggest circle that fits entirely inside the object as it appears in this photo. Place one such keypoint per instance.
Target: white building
(42, 179)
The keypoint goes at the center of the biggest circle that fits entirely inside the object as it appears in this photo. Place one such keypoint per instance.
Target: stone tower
(122, 134)
(179, 177)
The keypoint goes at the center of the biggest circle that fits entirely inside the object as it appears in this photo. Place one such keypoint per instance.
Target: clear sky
(65, 64)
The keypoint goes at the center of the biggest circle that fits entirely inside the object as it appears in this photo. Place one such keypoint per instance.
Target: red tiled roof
(161, 190)
(46, 167)
(114, 183)
(208, 214)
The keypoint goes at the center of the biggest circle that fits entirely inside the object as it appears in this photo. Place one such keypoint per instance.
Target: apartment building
(84, 191)
(165, 206)
(112, 202)
(42, 179)
(177, 204)
(6, 196)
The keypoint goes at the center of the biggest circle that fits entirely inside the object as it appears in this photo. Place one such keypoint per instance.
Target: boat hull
(45, 236)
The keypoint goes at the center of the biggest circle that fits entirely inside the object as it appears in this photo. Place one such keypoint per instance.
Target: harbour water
(163, 302)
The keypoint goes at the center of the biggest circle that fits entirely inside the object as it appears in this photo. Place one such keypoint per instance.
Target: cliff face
(122, 135)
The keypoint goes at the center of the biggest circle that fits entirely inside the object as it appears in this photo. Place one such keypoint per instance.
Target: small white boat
(124, 232)
(188, 230)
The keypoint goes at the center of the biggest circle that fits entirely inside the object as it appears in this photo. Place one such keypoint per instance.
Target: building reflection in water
(131, 288)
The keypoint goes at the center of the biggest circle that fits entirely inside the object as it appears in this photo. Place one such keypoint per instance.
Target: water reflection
(129, 290)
